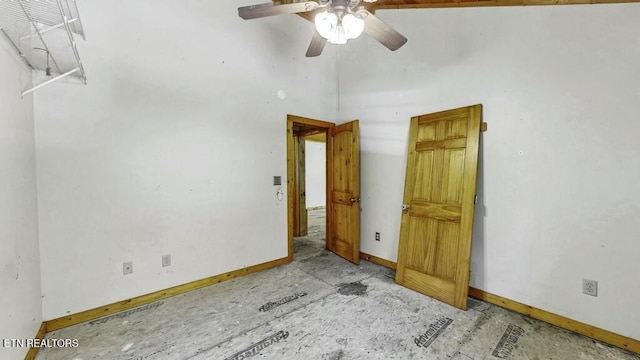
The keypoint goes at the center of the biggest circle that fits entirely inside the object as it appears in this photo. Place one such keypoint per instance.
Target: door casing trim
(291, 172)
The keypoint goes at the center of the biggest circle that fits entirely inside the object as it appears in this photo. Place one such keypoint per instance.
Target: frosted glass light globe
(353, 26)
(326, 23)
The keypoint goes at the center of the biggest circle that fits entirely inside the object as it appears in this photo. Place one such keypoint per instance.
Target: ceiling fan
(337, 21)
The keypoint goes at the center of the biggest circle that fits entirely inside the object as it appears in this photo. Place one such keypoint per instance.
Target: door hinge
(475, 200)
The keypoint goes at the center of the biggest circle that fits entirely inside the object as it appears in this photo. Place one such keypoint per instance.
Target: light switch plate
(166, 260)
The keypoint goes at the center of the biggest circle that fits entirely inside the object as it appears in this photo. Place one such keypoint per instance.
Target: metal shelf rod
(49, 81)
(48, 29)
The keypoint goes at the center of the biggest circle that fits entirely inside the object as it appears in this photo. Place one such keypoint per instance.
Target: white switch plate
(166, 260)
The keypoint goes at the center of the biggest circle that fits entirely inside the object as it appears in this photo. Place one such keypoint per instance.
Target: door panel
(436, 229)
(343, 191)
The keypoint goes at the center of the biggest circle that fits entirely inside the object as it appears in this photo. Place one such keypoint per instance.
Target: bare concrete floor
(320, 307)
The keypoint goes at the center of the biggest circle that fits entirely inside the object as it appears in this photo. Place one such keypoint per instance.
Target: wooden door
(343, 191)
(439, 194)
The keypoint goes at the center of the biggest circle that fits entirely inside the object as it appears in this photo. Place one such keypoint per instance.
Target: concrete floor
(320, 307)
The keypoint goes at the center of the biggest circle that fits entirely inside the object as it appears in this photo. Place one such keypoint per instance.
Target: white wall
(171, 147)
(560, 172)
(20, 304)
(316, 173)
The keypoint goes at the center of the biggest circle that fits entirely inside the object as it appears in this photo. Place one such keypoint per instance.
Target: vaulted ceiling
(409, 4)
(422, 4)
(417, 4)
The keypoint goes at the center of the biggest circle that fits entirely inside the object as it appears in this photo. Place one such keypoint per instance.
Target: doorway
(310, 239)
(306, 155)
(342, 178)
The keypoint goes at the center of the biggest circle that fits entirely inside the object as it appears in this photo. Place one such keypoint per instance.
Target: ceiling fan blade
(382, 32)
(269, 9)
(316, 46)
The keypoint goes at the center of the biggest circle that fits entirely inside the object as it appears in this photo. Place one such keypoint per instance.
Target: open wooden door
(343, 191)
(439, 194)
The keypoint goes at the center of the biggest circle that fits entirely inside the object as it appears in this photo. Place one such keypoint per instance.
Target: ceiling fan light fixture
(338, 30)
(336, 21)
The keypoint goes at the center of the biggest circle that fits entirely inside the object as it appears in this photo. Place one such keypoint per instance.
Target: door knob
(405, 207)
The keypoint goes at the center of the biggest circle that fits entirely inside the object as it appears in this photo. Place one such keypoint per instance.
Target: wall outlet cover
(590, 287)
(127, 267)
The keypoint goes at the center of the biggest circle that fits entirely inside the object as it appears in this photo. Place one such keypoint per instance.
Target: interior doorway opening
(307, 186)
(342, 182)
(311, 238)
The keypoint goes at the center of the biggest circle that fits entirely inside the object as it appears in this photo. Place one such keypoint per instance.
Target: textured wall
(20, 304)
(559, 176)
(171, 148)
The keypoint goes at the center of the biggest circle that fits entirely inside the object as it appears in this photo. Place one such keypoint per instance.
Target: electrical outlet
(377, 236)
(127, 267)
(590, 287)
(166, 260)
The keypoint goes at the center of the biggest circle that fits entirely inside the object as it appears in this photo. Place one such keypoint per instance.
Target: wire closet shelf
(42, 33)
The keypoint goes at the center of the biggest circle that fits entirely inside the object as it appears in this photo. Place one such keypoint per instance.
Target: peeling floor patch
(354, 288)
(336, 355)
(477, 305)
